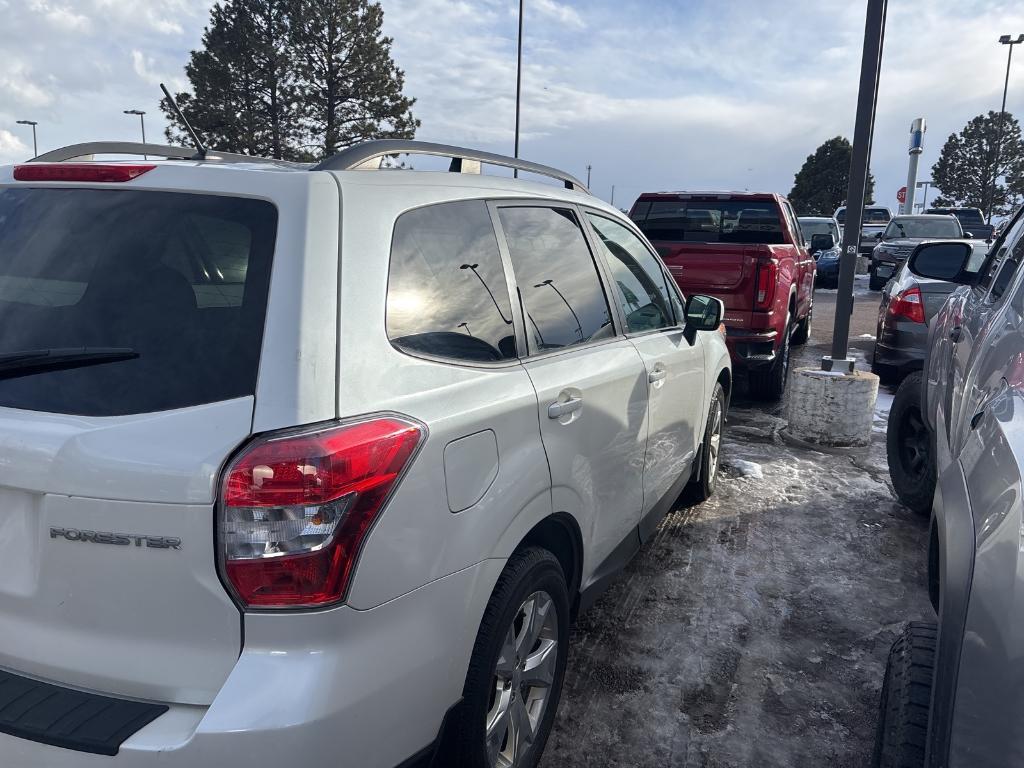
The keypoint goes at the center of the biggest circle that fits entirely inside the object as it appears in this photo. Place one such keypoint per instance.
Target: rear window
(687, 221)
(946, 226)
(876, 216)
(180, 280)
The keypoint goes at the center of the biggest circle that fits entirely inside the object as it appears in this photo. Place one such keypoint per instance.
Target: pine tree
(822, 182)
(351, 89)
(293, 79)
(968, 165)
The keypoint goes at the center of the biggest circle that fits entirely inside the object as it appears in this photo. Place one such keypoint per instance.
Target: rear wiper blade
(30, 361)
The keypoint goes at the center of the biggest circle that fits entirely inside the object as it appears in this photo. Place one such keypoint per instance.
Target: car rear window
(181, 280)
(685, 221)
(876, 216)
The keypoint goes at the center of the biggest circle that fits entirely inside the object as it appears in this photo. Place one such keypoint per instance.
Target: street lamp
(1010, 42)
(551, 284)
(142, 122)
(472, 267)
(35, 146)
(519, 81)
(924, 185)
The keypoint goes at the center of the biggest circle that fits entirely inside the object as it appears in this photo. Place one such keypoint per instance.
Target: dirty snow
(741, 468)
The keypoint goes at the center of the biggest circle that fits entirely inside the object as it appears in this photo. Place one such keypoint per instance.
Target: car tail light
(79, 172)
(765, 294)
(908, 304)
(296, 508)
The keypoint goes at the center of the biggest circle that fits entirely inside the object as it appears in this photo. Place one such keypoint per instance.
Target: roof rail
(369, 154)
(74, 151)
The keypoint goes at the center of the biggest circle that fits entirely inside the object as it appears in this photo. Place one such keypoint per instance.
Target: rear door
(109, 463)
(591, 383)
(804, 263)
(675, 367)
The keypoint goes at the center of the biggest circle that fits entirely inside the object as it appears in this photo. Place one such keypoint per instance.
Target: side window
(1011, 245)
(558, 280)
(639, 278)
(447, 294)
(794, 224)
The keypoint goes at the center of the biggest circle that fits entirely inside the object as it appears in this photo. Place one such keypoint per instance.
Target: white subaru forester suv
(315, 465)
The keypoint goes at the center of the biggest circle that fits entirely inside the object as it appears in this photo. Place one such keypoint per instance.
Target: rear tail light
(296, 508)
(766, 272)
(908, 304)
(79, 172)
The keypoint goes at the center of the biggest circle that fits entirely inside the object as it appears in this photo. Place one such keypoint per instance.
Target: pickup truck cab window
(756, 221)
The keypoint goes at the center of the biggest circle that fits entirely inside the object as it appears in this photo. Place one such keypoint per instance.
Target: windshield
(966, 216)
(811, 227)
(687, 221)
(945, 226)
(177, 281)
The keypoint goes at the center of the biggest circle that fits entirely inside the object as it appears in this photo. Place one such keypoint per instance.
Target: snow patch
(866, 336)
(882, 407)
(746, 468)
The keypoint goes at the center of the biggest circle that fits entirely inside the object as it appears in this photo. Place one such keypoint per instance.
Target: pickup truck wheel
(908, 443)
(802, 334)
(770, 383)
(902, 728)
(702, 485)
(517, 667)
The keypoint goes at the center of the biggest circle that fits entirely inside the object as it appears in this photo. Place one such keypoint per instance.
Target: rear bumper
(338, 688)
(901, 347)
(751, 349)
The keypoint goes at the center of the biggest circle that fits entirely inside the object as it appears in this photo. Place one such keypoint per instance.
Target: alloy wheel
(523, 677)
(714, 441)
(913, 444)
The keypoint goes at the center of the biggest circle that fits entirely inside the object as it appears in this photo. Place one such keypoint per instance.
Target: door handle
(955, 334)
(559, 409)
(657, 375)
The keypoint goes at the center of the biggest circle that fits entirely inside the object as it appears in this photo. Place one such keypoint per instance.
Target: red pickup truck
(747, 250)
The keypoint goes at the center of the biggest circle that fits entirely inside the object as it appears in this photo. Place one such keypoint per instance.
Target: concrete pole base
(831, 409)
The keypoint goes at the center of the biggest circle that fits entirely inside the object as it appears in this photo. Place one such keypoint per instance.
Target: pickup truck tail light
(295, 509)
(907, 304)
(765, 292)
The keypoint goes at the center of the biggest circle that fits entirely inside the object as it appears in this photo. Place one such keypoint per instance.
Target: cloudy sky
(654, 94)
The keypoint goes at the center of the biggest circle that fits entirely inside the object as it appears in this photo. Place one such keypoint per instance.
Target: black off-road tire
(902, 730)
(769, 383)
(702, 485)
(802, 333)
(527, 571)
(910, 449)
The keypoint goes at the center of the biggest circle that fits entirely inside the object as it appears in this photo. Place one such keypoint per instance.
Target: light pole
(142, 123)
(588, 175)
(1010, 42)
(551, 284)
(519, 81)
(472, 268)
(35, 146)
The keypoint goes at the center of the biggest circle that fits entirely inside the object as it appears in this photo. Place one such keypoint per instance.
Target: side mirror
(879, 235)
(704, 313)
(969, 235)
(946, 260)
(822, 242)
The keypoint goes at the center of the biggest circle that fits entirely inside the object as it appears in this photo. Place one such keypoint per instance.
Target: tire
(530, 576)
(802, 334)
(770, 383)
(702, 485)
(876, 283)
(902, 729)
(909, 450)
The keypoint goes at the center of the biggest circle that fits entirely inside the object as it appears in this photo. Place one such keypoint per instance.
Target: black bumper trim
(68, 718)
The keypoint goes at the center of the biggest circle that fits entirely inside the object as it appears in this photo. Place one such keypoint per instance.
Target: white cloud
(12, 149)
(559, 12)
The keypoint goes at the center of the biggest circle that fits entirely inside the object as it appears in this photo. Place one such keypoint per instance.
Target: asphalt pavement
(752, 630)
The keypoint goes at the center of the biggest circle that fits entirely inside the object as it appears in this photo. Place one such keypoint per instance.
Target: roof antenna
(200, 149)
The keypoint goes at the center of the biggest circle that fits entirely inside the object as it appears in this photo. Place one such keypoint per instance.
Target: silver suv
(953, 691)
(317, 464)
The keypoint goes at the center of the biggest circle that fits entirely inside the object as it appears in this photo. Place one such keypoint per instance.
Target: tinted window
(713, 222)
(1010, 243)
(639, 278)
(447, 294)
(557, 278)
(947, 226)
(876, 215)
(841, 216)
(181, 280)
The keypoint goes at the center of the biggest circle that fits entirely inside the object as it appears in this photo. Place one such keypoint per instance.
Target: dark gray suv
(954, 690)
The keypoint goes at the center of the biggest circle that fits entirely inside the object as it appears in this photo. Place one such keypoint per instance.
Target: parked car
(876, 218)
(280, 483)
(747, 250)
(971, 219)
(826, 256)
(900, 237)
(909, 303)
(952, 690)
